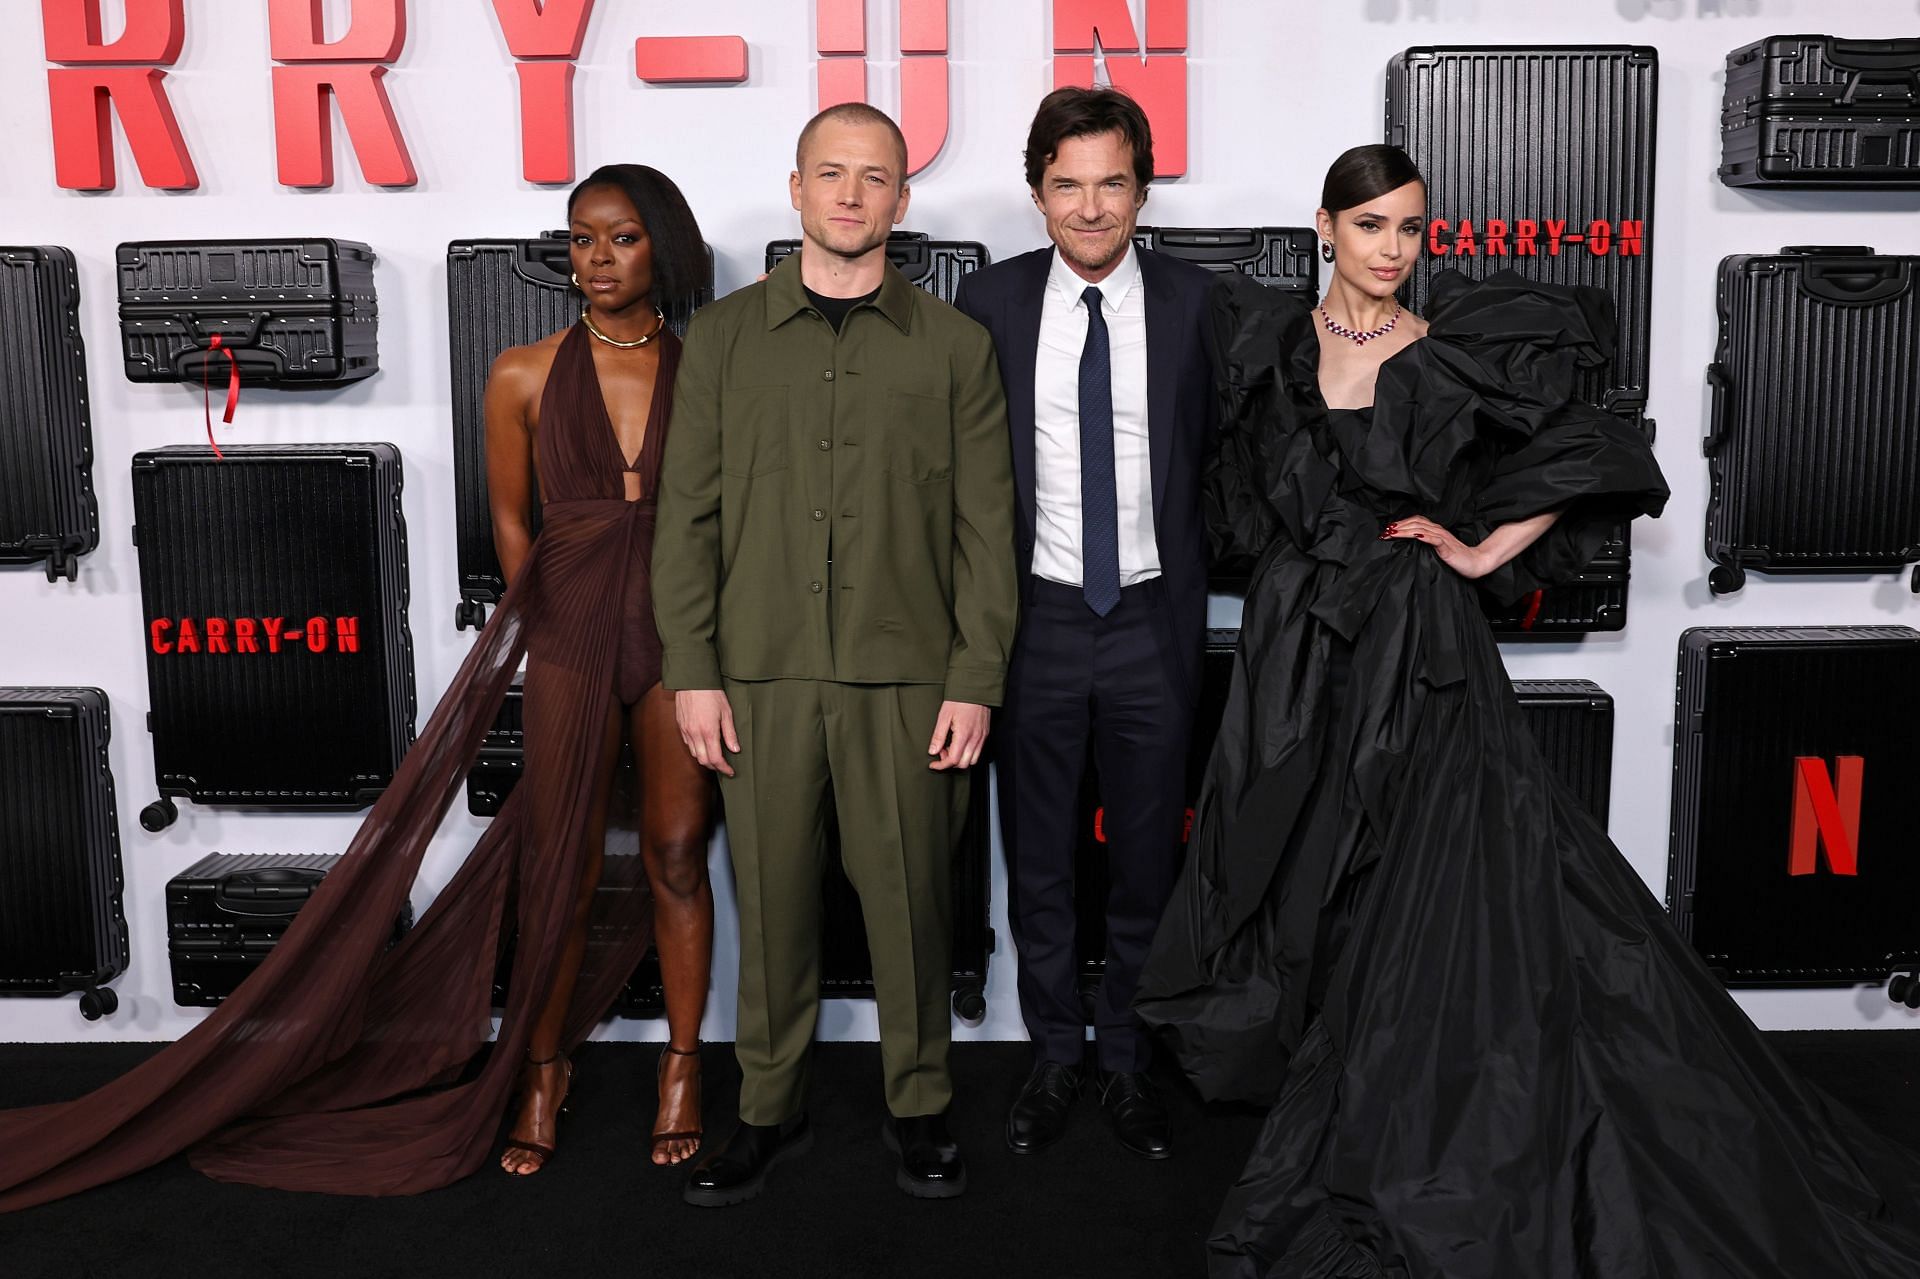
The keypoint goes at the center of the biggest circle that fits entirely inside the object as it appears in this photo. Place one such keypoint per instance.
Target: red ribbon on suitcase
(206, 392)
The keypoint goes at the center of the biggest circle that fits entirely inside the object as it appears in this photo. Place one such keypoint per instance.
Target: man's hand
(959, 736)
(705, 718)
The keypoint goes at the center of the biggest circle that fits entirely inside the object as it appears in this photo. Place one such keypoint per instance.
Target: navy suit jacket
(1006, 299)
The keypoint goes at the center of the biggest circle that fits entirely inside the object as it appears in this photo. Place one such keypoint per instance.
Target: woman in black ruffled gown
(1488, 1054)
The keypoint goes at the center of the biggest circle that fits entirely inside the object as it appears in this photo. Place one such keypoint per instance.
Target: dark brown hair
(1083, 113)
(680, 269)
(1366, 173)
(853, 113)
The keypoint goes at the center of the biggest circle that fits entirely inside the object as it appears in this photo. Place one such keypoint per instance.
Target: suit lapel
(1164, 348)
(1022, 358)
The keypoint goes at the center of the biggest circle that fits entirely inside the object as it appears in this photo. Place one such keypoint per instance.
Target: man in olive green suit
(833, 578)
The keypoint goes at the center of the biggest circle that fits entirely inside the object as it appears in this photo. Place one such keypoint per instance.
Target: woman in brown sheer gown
(343, 1066)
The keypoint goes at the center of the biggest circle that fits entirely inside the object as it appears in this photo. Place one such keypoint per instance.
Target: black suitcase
(1555, 133)
(1572, 719)
(1284, 257)
(47, 510)
(62, 928)
(1792, 856)
(226, 911)
(934, 265)
(293, 312)
(274, 589)
(500, 293)
(1820, 112)
(1814, 446)
(1595, 600)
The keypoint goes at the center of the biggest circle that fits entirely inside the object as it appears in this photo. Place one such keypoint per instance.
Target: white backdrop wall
(1277, 88)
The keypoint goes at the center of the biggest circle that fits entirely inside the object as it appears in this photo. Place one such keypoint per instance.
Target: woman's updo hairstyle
(1366, 173)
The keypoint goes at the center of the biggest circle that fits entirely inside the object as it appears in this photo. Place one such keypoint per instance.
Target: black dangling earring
(1326, 250)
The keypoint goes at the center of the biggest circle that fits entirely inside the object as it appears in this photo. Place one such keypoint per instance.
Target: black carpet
(1084, 1208)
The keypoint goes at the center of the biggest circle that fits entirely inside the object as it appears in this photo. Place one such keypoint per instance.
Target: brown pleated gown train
(347, 1067)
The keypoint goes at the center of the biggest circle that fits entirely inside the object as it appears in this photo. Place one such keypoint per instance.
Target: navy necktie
(1099, 507)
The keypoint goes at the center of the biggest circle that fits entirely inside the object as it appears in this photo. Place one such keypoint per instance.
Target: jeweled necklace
(1355, 336)
(660, 322)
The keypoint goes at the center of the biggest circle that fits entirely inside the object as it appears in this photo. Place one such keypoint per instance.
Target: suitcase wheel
(1904, 988)
(1726, 579)
(98, 1002)
(63, 564)
(159, 815)
(1913, 580)
(471, 615)
(970, 1004)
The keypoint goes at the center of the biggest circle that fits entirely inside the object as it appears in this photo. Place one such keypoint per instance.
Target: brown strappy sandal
(545, 1152)
(661, 1139)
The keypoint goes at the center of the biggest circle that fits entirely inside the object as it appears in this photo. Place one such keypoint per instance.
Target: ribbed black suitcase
(294, 312)
(1814, 446)
(1284, 257)
(1791, 860)
(47, 510)
(1539, 159)
(1816, 111)
(934, 265)
(1572, 719)
(62, 928)
(273, 584)
(226, 911)
(1594, 600)
(500, 293)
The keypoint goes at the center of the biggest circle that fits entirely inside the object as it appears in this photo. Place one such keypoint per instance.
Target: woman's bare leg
(676, 815)
(544, 1086)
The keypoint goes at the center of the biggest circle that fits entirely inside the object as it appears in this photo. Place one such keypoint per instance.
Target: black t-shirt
(836, 309)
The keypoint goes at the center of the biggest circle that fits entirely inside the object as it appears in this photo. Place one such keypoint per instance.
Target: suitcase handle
(1828, 250)
(1856, 281)
(270, 891)
(1209, 246)
(1901, 56)
(546, 260)
(203, 335)
(908, 252)
(1721, 383)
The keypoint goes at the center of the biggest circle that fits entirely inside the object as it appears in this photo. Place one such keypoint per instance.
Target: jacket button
(825, 445)
(815, 587)
(819, 515)
(827, 376)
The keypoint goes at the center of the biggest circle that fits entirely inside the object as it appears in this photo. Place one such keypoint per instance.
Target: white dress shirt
(1056, 423)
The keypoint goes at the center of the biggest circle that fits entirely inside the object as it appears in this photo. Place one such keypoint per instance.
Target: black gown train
(1489, 1055)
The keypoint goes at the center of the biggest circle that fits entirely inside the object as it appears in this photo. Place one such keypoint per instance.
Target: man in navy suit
(1103, 352)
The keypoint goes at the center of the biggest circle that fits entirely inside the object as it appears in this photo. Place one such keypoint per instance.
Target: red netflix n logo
(1826, 811)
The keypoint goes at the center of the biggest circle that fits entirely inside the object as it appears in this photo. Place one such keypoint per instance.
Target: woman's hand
(1467, 561)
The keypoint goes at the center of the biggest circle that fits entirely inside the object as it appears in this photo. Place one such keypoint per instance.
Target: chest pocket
(754, 439)
(919, 437)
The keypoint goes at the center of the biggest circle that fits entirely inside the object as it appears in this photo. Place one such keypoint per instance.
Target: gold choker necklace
(660, 322)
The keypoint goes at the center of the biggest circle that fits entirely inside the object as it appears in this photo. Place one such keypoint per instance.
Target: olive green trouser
(862, 747)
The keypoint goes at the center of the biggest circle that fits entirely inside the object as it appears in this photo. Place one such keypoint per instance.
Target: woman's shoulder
(526, 366)
(1508, 310)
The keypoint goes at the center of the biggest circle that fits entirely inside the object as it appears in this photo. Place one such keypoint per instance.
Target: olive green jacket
(836, 507)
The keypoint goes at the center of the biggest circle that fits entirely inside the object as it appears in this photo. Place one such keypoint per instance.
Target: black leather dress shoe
(930, 1162)
(737, 1171)
(1038, 1117)
(1139, 1117)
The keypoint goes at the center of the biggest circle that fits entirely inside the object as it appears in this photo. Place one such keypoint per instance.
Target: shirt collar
(1113, 290)
(787, 297)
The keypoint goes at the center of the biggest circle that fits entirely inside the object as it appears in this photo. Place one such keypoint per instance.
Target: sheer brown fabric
(346, 1067)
